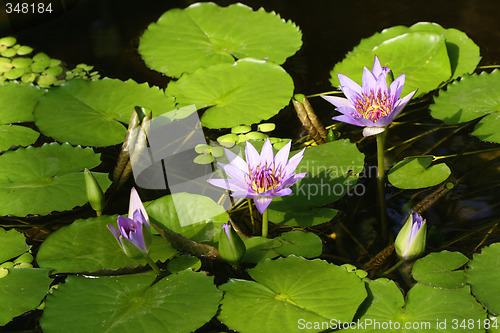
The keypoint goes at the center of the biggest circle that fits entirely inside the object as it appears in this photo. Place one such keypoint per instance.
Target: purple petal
(400, 104)
(350, 88)
(244, 194)
(136, 204)
(396, 87)
(227, 184)
(139, 217)
(281, 158)
(348, 120)
(137, 239)
(364, 121)
(262, 203)
(293, 179)
(351, 95)
(338, 101)
(283, 192)
(236, 160)
(252, 156)
(233, 171)
(293, 163)
(114, 231)
(226, 227)
(348, 111)
(267, 155)
(369, 80)
(384, 121)
(124, 223)
(376, 68)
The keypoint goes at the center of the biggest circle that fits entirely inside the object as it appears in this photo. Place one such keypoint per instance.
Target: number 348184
(28, 8)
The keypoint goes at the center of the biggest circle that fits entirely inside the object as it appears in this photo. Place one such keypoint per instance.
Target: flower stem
(152, 264)
(387, 272)
(265, 223)
(249, 201)
(381, 183)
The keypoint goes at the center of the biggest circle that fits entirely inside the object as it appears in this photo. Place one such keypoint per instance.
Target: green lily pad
(332, 172)
(440, 270)
(16, 136)
(300, 243)
(183, 262)
(12, 244)
(22, 290)
(45, 179)
(234, 93)
(483, 275)
(178, 303)
(421, 56)
(87, 245)
(470, 98)
(462, 51)
(425, 309)
(416, 172)
(260, 248)
(205, 34)
(21, 100)
(175, 213)
(93, 113)
(288, 290)
(305, 217)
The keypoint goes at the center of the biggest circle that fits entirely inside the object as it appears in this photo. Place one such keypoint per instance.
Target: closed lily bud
(410, 242)
(95, 196)
(231, 246)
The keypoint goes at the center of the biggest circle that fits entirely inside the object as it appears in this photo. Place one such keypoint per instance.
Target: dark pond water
(105, 33)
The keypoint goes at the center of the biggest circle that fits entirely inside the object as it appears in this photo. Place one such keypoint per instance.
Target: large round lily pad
(93, 113)
(470, 98)
(45, 179)
(417, 172)
(440, 270)
(421, 56)
(205, 34)
(87, 245)
(244, 92)
(483, 275)
(178, 303)
(287, 291)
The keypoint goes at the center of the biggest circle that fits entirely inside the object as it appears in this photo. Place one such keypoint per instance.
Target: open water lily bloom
(261, 177)
(372, 105)
(134, 234)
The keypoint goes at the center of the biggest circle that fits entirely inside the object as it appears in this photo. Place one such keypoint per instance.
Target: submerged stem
(249, 201)
(265, 223)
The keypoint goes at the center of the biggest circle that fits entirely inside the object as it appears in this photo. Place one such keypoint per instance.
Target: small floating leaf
(241, 129)
(8, 41)
(203, 159)
(416, 172)
(300, 243)
(12, 244)
(266, 127)
(205, 34)
(234, 93)
(24, 50)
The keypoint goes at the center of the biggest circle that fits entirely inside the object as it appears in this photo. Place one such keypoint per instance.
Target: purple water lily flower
(262, 177)
(134, 234)
(374, 105)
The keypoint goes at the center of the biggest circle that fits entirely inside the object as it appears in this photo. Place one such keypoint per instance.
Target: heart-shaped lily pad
(421, 56)
(12, 244)
(205, 34)
(235, 93)
(440, 270)
(93, 113)
(178, 303)
(17, 105)
(287, 291)
(45, 179)
(416, 172)
(22, 290)
(483, 275)
(423, 310)
(87, 245)
(470, 98)
(300, 243)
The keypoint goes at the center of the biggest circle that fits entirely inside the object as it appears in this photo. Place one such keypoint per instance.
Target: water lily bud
(231, 246)
(410, 242)
(95, 195)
